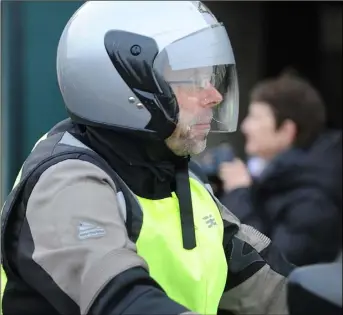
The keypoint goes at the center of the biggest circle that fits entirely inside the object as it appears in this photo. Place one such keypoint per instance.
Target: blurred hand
(234, 175)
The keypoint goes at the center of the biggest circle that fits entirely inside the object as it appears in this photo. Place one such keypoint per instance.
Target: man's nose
(211, 96)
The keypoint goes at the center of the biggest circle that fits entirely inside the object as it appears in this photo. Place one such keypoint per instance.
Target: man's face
(195, 116)
(263, 139)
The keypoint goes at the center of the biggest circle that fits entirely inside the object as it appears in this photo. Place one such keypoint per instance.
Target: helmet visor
(200, 69)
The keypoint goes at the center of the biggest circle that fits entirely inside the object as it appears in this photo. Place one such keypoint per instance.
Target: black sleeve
(311, 229)
(134, 292)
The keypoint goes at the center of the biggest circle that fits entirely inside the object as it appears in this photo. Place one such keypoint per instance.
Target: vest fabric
(195, 278)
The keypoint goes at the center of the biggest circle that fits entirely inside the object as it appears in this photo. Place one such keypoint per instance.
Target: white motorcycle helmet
(117, 63)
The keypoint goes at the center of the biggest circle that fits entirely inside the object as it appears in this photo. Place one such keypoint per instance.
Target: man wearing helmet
(108, 215)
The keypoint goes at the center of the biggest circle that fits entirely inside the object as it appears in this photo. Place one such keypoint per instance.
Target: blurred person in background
(296, 200)
(213, 158)
(256, 166)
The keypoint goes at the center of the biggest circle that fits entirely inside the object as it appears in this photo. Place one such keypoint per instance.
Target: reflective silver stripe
(133, 195)
(264, 240)
(69, 139)
(122, 205)
(209, 188)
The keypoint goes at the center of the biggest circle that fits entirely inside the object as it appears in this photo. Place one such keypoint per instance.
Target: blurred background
(266, 38)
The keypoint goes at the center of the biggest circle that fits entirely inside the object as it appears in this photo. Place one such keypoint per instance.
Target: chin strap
(183, 192)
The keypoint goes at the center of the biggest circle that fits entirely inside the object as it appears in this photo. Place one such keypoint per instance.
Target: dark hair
(292, 97)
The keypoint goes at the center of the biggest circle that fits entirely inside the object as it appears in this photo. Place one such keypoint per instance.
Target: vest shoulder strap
(197, 173)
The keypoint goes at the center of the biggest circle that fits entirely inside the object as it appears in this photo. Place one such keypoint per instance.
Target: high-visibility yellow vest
(194, 278)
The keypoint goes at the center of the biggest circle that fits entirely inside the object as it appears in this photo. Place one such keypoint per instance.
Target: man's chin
(189, 147)
(198, 147)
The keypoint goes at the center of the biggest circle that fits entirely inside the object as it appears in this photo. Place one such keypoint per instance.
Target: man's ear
(289, 131)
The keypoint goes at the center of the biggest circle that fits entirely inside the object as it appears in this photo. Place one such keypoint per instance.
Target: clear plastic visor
(200, 69)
